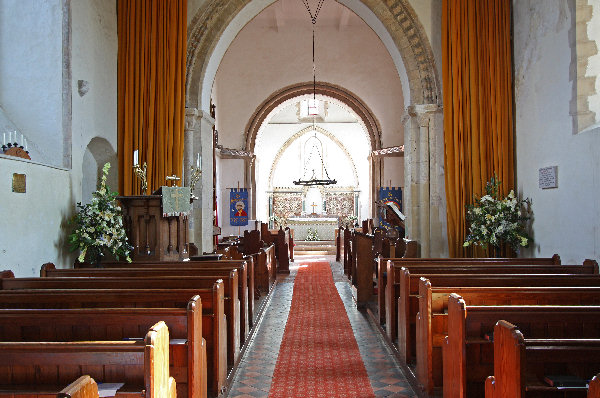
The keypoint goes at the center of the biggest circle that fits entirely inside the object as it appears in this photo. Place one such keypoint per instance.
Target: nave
(254, 374)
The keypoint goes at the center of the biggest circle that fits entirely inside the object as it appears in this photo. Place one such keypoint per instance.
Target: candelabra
(140, 172)
(194, 178)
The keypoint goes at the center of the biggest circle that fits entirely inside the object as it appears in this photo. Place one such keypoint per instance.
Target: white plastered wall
(34, 228)
(567, 218)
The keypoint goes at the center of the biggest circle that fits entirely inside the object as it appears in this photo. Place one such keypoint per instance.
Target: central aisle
(318, 356)
(254, 377)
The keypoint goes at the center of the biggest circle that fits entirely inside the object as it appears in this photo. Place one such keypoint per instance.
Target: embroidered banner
(176, 201)
(390, 195)
(238, 205)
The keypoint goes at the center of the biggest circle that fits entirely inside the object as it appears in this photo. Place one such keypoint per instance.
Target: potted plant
(495, 221)
(99, 226)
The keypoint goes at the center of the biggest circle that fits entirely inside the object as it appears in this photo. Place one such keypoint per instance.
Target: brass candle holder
(140, 172)
(194, 178)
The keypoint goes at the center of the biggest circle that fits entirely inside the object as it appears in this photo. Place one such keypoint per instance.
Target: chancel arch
(310, 130)
(217, 24)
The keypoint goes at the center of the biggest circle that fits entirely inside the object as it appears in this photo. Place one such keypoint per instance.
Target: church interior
(345, 147)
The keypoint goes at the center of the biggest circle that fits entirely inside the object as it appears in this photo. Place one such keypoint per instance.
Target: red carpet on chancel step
(319, 355)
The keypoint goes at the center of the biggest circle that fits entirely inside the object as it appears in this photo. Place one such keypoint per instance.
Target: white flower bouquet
(99, 226)
(494, 221)
(312, 235)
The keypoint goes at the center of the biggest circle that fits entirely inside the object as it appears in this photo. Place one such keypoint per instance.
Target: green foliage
(494, 221)
(349, 221)
(312, 234)
(99, 226)
(278, 221)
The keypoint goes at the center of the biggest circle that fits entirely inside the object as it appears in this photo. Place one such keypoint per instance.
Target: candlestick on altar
(140, 172)
(135, 157)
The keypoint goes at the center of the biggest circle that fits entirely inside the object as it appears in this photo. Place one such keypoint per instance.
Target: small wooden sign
(19, 183)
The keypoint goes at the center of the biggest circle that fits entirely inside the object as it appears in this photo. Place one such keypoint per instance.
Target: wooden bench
(468, 349)
(362, 267)
(394, 267)
(214, 328)
(187, 347)
(432, 319)
(83, 387)
(143, 366)
(221, 272)
(521, 364)
(230, 291)
(244, 266)
(408, 303)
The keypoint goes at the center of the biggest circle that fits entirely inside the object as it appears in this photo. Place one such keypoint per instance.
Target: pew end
(83, 387)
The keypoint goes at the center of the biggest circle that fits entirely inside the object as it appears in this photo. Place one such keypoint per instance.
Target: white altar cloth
(325, 227)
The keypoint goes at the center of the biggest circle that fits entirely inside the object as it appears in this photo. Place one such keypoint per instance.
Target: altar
(325, 227)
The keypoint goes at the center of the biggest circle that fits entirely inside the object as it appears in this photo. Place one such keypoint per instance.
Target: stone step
(319, 247)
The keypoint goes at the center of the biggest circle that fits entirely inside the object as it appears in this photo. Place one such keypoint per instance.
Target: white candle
(198, 160)
(9, 136)
(21, 139)
(3, 138)
(25, 144)
(135, 157)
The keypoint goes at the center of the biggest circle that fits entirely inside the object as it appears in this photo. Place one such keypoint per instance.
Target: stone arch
(299, 134)
(396, 23)
(328, 90)
(98, 152)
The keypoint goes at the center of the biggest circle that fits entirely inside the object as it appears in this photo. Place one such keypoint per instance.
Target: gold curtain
(478, 106)
(151, 89)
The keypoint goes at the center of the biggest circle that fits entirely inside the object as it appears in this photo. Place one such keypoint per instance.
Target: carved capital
(192, 119)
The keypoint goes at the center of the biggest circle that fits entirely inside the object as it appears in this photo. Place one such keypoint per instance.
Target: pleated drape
(478, 106)
(151, 89)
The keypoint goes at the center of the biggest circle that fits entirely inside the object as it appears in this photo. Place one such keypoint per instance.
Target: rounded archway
(217, 23)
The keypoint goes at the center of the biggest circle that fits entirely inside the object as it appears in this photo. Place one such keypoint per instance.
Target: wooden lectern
(153, 236)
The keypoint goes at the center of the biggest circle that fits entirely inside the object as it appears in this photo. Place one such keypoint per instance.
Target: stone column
(199, 139)
(424, 193)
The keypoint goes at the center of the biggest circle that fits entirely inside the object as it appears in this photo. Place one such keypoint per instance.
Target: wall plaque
(548, 177)
(19, 183)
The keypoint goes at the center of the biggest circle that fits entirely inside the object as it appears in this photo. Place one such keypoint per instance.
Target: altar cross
(313, 206)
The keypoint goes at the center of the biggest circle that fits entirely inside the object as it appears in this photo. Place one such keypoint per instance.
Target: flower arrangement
(348, 221)
(494, 221)
(312, 235)
(278, 221)
(99, 226)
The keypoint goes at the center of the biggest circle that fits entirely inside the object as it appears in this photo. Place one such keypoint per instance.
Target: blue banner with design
(238, 207)
(390, 195)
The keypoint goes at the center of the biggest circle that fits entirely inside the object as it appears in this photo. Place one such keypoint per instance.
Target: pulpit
(157, 224)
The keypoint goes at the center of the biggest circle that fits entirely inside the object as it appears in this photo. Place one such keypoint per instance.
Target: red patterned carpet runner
(319, 355)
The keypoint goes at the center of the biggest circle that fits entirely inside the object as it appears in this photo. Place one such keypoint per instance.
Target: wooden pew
(363, 267)
(432, 318)
(244, 265)
(429, 265)
(214, 328)
(347, 251)
(142, 365)
(187, 346)
(83, 387)
(477, 275)
(390, 249)
(520, 364)
(231, 308)
(222, 272)
(468, 348)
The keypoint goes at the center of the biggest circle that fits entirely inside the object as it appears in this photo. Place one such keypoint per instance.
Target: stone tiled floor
(254, 375)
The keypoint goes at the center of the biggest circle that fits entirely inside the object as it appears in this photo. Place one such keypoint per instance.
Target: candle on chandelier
(25, 144)
(135, 157)
(198, 160)
(3, 138)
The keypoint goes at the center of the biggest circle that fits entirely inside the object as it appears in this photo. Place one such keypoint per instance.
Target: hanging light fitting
(313, 110)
